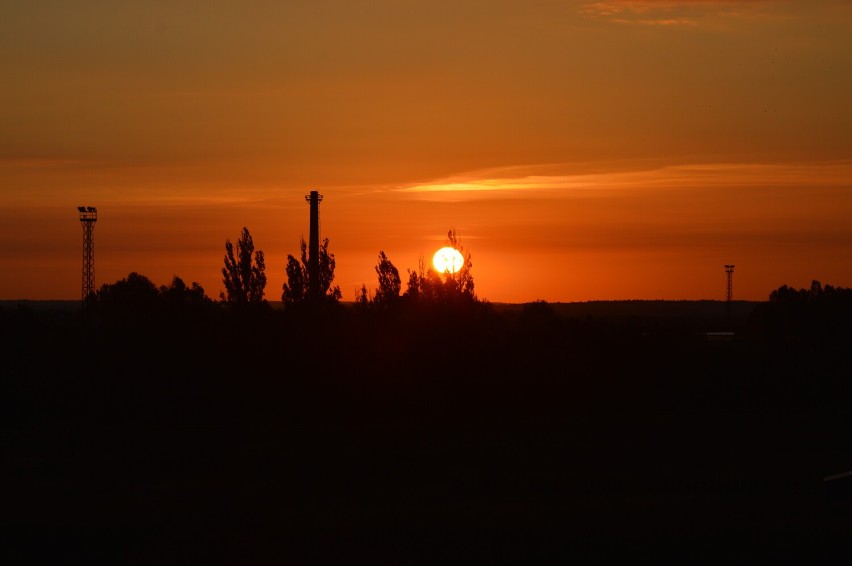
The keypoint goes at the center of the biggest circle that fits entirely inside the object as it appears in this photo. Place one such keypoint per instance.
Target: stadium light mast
(88, 217)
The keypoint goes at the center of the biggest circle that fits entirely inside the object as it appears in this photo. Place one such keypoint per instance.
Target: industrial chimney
(313, 246)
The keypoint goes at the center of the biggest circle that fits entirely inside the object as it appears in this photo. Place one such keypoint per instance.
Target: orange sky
(582, 150)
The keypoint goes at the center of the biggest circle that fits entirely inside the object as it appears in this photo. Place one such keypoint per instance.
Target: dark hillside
(710, 311)
(486, 433)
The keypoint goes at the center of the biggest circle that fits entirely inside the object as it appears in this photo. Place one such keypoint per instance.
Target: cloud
(514, 181)
(40, 163)
(665, 12)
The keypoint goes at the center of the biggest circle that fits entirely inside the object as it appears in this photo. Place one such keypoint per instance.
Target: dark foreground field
(492, 435)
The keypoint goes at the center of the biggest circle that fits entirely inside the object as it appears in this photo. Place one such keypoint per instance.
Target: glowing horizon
(617, 149)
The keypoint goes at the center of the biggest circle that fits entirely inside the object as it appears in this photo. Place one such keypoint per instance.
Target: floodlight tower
(88, 217)
(313, 245)
(729, 296)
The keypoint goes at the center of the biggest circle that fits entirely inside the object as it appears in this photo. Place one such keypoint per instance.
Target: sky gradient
(581, 150)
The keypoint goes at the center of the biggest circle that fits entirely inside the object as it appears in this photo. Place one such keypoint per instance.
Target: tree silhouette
(412, 290)
(389, 282)
(462, 278)
(177, 297)
(296, 286)
(817, 316)
(295, 289)
(135, 293)
(135, 299)
(178, 292)
(362, 297)
(432, 287)
(243, 275)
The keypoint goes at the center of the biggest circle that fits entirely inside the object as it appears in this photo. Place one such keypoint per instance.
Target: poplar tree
(244, 274)
(389, 281)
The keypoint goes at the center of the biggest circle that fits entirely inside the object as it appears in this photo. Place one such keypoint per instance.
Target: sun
(448, 260)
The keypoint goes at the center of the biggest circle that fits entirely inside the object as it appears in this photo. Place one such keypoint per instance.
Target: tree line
(815, 315)
(245, 281)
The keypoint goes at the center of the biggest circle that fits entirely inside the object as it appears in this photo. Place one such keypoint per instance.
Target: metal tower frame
(88, 217)
(729, 295)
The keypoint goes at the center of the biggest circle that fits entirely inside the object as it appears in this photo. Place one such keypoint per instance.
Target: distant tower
(729, 296)
(88, 217)
(313, 245)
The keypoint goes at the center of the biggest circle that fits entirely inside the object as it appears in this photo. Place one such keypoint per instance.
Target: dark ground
(511, 435)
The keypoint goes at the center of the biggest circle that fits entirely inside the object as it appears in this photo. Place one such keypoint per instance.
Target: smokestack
(313, 245)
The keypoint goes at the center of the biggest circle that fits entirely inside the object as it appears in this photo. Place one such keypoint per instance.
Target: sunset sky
(623, 149)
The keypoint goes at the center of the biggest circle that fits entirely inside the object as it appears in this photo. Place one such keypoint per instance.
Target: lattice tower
(88, 217)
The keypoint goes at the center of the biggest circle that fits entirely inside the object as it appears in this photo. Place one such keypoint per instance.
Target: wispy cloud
(508, 181)
(666, 12)
(41, 163)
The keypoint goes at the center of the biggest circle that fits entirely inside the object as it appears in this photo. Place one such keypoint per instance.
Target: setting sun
(447, 260)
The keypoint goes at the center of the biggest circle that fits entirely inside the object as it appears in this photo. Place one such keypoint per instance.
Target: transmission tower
(313, 246)
(88, 217)
(729, 296)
